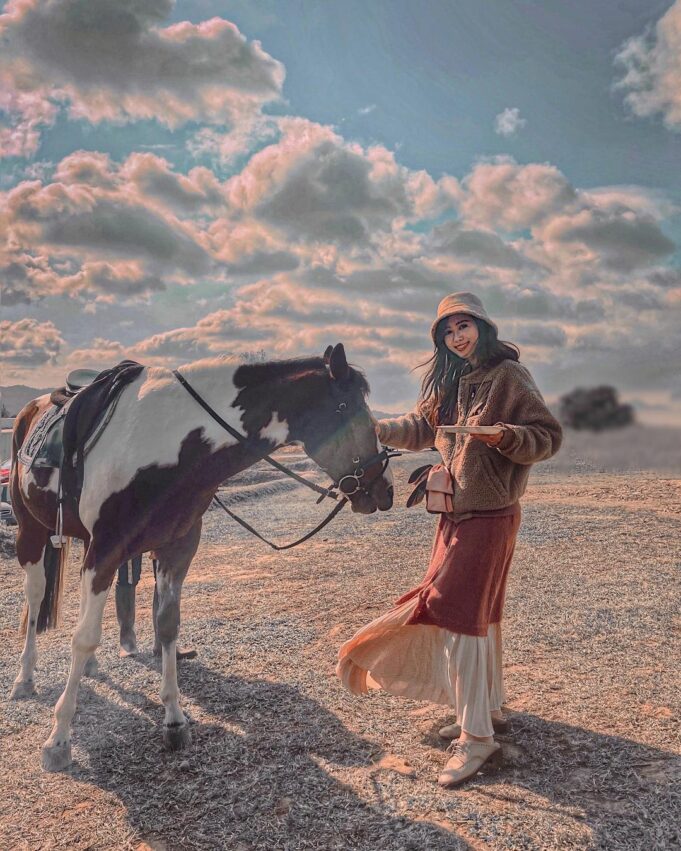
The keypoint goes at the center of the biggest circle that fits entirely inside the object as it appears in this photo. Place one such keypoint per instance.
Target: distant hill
(16, 396)
(383, 415)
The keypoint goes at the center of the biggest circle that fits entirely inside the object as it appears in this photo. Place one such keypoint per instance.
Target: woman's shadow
(260, 776)
(628, 794)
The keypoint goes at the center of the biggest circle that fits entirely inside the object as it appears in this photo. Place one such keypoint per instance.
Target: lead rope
(329, 517)
(322, 491)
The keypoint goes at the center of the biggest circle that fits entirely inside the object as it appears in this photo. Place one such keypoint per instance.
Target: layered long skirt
(442, 640)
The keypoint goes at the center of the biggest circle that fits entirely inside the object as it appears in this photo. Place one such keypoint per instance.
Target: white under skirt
(425, 662)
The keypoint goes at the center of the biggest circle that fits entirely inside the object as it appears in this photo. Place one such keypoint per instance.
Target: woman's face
(461, 335)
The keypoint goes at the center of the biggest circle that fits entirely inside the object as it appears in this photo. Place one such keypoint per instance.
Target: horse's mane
(254, 374)
(250, 374)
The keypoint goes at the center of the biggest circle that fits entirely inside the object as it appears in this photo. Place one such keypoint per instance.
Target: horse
(152, 474)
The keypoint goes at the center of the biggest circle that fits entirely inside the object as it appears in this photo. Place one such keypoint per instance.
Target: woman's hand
(490, 439)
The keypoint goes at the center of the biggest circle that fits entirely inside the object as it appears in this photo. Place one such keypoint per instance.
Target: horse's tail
(54, 563)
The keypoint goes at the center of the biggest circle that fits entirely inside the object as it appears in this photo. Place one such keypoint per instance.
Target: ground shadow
(629, 793)
(259, 777)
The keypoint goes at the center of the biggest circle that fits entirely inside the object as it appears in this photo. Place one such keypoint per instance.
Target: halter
(355, 478)
(347, 490)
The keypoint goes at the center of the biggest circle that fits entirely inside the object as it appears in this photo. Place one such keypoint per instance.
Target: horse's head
(343, 438)
(338, 432)
(321, 404)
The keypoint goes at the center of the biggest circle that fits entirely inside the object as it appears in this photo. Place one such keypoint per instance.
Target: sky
(189, 179)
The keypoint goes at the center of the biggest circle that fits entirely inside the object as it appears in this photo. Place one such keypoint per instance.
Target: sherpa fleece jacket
(486, 478)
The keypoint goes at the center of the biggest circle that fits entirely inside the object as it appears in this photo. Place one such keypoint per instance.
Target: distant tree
(4, 412)
(594, 409)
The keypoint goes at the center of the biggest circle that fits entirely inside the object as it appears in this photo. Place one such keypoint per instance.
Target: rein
(354, 478)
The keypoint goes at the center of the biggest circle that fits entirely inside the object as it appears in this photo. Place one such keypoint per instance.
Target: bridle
(355, 478)
(347, 485)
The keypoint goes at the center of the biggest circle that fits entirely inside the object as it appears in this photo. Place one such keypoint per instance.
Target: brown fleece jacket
(486, 478)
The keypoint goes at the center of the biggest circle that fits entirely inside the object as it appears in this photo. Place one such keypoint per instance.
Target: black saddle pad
(83, 414)
(44, 445)
(66, 427)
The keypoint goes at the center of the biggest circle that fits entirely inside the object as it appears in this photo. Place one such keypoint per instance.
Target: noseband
(351, 483)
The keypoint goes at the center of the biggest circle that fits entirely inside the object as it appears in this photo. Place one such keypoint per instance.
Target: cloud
(508, 122)
(199, 190)
(29, 343)
(547, 334)
(113, 61)
(474, 246)
(575, 235)
(620, 239)
(225, 148)
(101, 229)
(317, 188)
(652, 69)
(503, 195)
(100, 354)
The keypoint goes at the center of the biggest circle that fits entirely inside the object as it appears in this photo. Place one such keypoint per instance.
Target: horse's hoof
(128, 650)
(177, 737)
(57, 757)
(91, 667)
(21, 690)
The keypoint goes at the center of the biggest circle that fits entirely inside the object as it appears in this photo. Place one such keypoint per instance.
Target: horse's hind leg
(86, 638)
(42, 566)
(173, 563)
(34, 590)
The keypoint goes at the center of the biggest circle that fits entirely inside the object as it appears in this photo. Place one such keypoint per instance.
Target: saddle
(44, 445)
(79, 413)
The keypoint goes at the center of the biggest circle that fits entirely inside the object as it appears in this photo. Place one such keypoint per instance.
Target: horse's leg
(91, 665)
(57, 748)
(129, 574)
(32, 542)
(173, 563)
(180, 654)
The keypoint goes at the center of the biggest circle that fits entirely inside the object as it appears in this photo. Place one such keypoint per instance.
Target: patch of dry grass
(283, 758)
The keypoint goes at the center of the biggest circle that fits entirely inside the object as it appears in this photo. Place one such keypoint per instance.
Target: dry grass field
(283, 758)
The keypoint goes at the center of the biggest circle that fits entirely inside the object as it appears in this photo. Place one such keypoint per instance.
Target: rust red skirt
(465, 585)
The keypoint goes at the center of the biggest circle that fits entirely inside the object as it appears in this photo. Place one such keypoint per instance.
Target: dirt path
(283, 758)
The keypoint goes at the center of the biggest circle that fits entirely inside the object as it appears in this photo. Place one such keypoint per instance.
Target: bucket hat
(467, 303)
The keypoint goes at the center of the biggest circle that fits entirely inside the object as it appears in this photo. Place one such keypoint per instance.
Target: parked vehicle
(6, 513)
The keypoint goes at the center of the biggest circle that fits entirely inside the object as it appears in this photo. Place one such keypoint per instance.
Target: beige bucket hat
(461, 303)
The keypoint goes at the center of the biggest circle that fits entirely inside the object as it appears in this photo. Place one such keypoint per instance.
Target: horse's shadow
(261, 775)
(267, 768)
(267, 765)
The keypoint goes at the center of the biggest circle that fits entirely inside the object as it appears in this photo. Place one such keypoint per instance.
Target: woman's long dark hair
(440, 385)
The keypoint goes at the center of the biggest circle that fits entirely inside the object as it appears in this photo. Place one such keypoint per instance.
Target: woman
(442, 641)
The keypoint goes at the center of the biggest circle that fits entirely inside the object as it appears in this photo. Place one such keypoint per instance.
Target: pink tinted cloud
(115, 62)
(504, 195)
(29, 343)
(317, 188)
(99, 354)
(652, 69)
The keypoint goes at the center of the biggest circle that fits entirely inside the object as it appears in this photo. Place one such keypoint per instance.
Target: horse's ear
(338, 365)
(327, 354)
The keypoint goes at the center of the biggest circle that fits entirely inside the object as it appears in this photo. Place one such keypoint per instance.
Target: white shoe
(467, 759)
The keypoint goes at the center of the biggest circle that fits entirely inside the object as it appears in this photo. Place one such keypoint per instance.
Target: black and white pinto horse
(151, 476)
